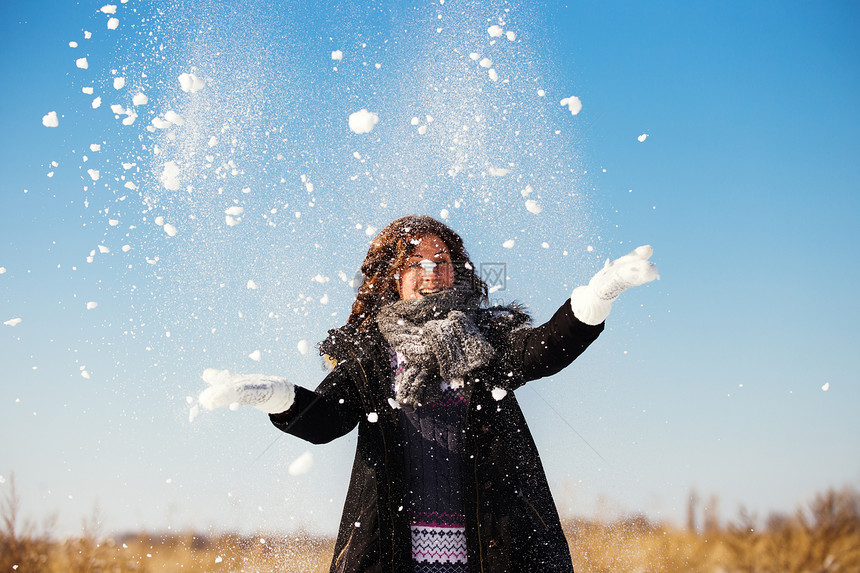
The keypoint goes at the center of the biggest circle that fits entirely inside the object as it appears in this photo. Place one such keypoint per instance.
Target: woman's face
(428, 269)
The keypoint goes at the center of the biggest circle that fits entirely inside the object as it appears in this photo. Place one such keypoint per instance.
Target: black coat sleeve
(550, 347)
(324, 414)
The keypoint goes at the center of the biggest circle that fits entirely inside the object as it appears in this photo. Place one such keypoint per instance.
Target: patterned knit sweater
(432, 434)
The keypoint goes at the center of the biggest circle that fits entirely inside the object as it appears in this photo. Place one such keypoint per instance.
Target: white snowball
(170, 176)
(50, 119)
(573, 103)
(191, 83)
(363, 121)
(533, 207)
(302, 464)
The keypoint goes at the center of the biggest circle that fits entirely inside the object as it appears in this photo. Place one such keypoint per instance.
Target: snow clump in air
(82, 63)
(642, 137)
(113, 24)
(509, 244)
(363, 121)
(496, 31)
(50, 119)
(337, 55)
(303, 346)
(108, 9)
(533, 207)
(91, 305)
(499, 393)
(233, 215)
(190, 83)
(140, 98)
(170, 176)
(302, 464)
(255, 356)
(13, 322)
(573, 103)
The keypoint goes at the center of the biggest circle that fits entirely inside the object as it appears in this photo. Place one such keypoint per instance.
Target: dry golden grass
(822, 538)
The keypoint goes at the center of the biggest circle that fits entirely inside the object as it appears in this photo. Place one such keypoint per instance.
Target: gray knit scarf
(439, 339)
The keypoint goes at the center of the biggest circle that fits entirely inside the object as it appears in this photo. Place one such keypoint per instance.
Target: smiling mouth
(430, 291)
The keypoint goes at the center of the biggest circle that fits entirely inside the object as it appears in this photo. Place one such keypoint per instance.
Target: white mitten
(267, 393)
(591, 303)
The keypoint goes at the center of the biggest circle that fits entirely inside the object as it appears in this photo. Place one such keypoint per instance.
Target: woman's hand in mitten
(267, 393)
(591, 303)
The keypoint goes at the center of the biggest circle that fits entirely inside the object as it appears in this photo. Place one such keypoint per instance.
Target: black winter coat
(512, 524)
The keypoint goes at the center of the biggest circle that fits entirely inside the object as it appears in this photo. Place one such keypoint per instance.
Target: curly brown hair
(387, 255)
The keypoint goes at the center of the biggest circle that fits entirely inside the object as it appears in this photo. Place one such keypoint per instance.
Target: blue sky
(713, 378)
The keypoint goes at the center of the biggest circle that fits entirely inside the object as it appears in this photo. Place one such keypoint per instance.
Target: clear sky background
(735, 375)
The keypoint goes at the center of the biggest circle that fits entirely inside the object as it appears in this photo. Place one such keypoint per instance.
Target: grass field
(823, 537)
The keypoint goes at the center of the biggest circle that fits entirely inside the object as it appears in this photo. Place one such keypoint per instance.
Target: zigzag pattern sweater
(432, 435)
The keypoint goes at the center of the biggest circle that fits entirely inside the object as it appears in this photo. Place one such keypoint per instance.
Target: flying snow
(50, 119)
(302, 464)
(533, 207)
(363, 121)
(573, 103)
(190, 83)
(642, 137)
(170, 176)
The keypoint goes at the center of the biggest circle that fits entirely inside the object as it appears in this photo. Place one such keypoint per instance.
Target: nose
(428, 266)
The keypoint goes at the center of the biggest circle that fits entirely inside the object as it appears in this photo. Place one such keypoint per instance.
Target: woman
(446, 475)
